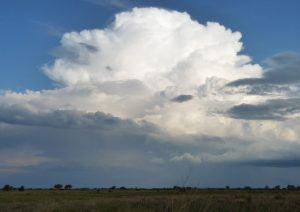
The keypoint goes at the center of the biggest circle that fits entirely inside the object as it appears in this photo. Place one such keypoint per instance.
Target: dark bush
(7, 187)
(291, 187)
(179, 188)
(58, 186)
(68, 187)
(21, 188)
(276, 187)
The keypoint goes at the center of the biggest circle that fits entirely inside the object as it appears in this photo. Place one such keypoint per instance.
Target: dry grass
(150, 200)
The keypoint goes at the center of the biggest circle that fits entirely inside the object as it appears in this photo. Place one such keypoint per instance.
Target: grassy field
(150, 200)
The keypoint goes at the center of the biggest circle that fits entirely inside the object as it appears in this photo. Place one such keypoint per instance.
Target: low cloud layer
(283, 69)
(154, 91)
(276, 109)
(18, 115)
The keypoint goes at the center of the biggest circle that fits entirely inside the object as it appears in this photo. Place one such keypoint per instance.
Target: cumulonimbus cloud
(158, 69)
(149, 56)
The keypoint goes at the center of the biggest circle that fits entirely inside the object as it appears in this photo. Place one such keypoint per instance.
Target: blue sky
(102, 93)
(31, 29)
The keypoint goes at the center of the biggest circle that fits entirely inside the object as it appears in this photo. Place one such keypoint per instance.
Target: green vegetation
(176, 199)
(68, 186)
(58, 186)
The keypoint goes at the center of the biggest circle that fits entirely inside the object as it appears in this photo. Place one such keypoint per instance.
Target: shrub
(7, 187)
(277, 187)
(179, 189)
(22, 188)
(291, 187)
(68, 187)
(58, 186)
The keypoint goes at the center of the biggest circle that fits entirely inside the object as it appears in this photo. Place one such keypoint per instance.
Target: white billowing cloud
(160, 67)
(145, 58)
(187, 157)
(158, 47)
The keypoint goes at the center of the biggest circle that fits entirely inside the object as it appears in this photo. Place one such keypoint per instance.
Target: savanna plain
(175, 199)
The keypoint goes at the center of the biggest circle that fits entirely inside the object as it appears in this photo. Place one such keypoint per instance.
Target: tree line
(8, 187)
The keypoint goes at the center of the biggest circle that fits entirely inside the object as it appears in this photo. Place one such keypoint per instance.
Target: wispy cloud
(51, 29)
(122, 4)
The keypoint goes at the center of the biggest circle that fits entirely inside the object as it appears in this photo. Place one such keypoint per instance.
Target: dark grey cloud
(102, 158)
(89, 47)
(19, 115)
(276, 109)
(283, 69)
(182, 98)
(97, 149)
(283, 163)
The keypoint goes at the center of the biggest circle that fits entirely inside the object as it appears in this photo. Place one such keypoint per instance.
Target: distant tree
(123, 188)
(267, 187)
(291, 187)
(227, 187)
(21, 188)
(176, 187)
(179, 188)
(247, 188)
(68, 187)
(58, 186)
(112, 188)
(7, 187)
(277, 187)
